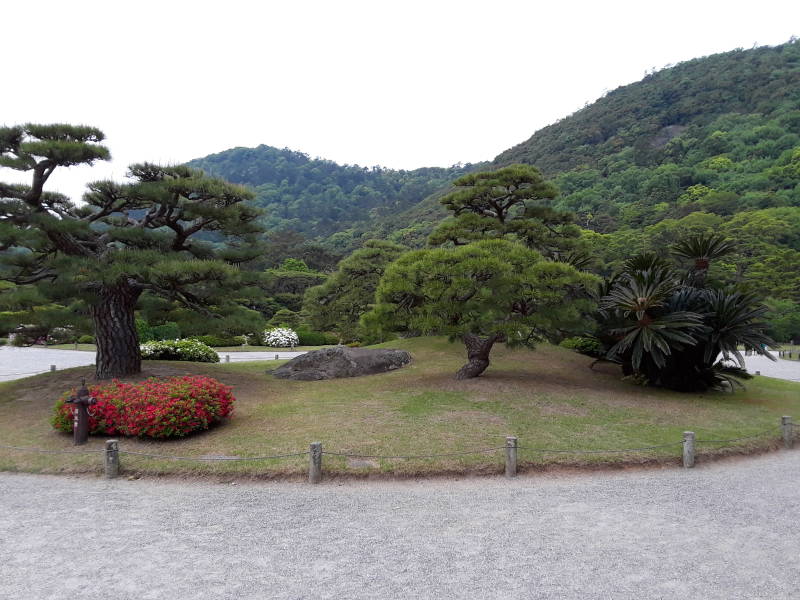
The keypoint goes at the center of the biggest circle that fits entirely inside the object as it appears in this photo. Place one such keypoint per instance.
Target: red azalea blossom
(173, 407)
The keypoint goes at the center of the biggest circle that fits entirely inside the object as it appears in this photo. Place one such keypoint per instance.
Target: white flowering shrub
(191, 350)
(281, 337)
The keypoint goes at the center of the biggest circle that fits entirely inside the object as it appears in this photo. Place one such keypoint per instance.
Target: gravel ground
(16, 363)
(726, 530)
(781, 368)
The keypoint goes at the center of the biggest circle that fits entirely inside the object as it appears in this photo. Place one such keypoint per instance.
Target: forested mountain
(717, 134)
(318, 198)
(709, 144)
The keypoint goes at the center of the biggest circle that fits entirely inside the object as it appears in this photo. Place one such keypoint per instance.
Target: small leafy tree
(123, 241)
(481, 293)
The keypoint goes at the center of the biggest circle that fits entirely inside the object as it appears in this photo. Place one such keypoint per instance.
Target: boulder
(341, 361)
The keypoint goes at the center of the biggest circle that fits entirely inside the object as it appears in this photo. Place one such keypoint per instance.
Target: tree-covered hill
(709, 144)
(317, 197)
(646, 115)
(719, 134)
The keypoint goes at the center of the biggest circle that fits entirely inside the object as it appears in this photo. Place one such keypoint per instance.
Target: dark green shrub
(3, 341)
(315, 338)
(584, 345)
(87, 339)
(145, 331)
(219, 340)
(167, 331)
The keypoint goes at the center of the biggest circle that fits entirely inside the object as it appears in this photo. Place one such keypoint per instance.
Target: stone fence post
(315, 463)
(511, 456)
(787, 431)
(688, 449)
(112, 459)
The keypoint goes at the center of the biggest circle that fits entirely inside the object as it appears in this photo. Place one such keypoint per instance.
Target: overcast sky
(402, 84)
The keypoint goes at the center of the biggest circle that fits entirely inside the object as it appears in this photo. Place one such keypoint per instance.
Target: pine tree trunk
(115, 332)
(477, 355)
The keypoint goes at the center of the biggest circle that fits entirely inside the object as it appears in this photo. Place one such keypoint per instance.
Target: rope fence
(211, 458)
(787, 430)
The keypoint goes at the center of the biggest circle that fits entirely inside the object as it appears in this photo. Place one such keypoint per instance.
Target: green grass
(548, 398)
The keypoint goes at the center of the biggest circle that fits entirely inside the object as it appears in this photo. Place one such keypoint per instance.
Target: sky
(402, 84)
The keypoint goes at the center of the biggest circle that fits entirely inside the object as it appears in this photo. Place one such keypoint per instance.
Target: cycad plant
(701, 250)
(673, 332)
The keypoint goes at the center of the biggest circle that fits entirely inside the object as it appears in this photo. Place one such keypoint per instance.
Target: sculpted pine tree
(123, 241)
(481, 293)
(512, 202)
(338, 304)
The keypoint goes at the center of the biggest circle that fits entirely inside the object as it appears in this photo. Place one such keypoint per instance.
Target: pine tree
(512, 202)
(123, 241)
(481, 293)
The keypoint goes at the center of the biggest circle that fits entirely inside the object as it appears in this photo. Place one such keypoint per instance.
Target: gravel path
(781, 368)
(726, 530)
(16, 363)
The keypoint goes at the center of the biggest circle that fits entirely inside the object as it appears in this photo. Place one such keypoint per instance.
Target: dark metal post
(80, 423)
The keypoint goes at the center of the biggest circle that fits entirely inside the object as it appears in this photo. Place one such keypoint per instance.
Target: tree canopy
(481, 293)
(123, 241)
(510, 202)
(338, 304)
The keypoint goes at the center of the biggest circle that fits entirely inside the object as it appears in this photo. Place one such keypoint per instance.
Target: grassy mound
(548, 398)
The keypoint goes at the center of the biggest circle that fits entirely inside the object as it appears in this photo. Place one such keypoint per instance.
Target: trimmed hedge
(191, 350)
(584, 345)
(219, 340)
(314, 338)
(173, 407)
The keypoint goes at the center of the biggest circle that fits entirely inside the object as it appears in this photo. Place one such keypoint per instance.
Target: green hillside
(319, 198)
(709, 144)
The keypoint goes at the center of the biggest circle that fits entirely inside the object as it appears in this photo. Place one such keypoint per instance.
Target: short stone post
(112, 459)
(787, 430)
(511, 456)
(758, 372)
(315, 463)
(277, 357)
(227, 358)
(52, 368)
(688, 449)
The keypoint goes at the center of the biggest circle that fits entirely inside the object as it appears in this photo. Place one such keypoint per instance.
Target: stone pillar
(787, 431)
(315, 463)
(688, 449)
(112, 459)
(511, 456)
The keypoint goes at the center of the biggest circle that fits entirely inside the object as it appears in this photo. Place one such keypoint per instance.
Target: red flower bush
(173, 407)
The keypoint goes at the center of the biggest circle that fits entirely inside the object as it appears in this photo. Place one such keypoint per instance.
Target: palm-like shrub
(702, 249)
(674, 332)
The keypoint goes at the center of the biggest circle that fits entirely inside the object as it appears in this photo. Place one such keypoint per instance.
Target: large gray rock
(331, 363)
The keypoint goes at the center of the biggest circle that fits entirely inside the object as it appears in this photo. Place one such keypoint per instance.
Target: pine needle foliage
(481, 293)
(124, 240)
